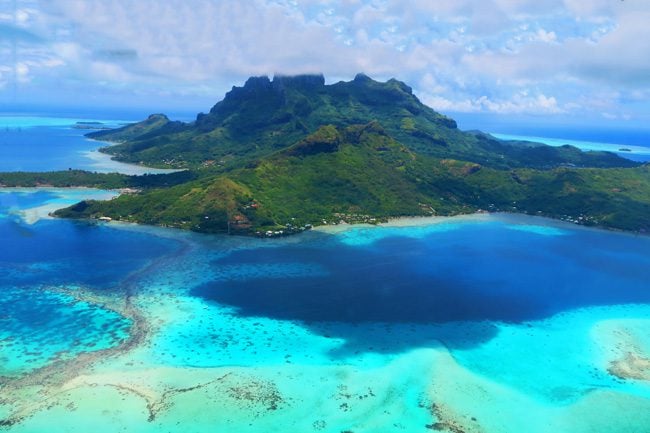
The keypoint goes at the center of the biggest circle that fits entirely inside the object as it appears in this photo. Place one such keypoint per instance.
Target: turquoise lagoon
(483, 323)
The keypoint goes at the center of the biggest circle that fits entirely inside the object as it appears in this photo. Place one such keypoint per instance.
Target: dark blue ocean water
(53, 252)
(633, 134)
(43, 148)
(45, 143)
(55, 143)
(477, 271)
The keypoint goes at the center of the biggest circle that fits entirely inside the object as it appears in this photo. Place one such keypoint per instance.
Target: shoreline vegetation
(277, 157)
(132, 185)
(334, 227)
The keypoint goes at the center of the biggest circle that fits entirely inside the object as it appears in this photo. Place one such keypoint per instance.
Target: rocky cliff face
(262, 89)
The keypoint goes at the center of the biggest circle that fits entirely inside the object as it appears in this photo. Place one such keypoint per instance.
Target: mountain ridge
(276, 156)
(265, 115)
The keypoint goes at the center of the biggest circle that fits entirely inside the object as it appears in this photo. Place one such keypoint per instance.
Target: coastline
(402, 221)
(104, 163)
(107, 159)
(424, 221)
(33, 215)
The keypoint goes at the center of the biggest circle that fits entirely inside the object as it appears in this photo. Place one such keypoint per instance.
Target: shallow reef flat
(625, 348)
(422, 390)
(33, 204)
(52, 326)
(237, 334)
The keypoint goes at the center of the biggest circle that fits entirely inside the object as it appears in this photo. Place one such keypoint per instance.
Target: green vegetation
(278, 156)
(130, 132)
(81, 178)
(361, 174)
(63, 179)
(264, 116)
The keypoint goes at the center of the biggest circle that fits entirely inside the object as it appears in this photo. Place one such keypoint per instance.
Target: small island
(361, 151)
(90, 125)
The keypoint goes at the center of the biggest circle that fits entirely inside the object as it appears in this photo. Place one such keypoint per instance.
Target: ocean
(43, 143)
(480, 323)
(620, 147)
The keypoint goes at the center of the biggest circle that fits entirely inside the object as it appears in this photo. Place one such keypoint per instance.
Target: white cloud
(519, 103)
(465, 55)
(203, 39)
(22, 72)
(544, 36)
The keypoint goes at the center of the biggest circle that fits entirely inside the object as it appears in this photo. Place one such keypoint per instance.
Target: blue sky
(553, 61)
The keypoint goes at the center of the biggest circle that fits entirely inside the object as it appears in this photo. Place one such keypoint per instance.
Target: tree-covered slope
(360, 173)
(82, 178)
(155, 122)
(266, 115)
(285, 153)
(342, 173)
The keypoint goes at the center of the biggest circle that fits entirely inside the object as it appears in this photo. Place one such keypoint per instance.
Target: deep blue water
(42, 149)
(54, 143)
(53, 253)
(44, 144)
(477, 272)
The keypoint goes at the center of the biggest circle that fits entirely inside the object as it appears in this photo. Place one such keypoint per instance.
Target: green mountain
(266, 115)
(284, 154)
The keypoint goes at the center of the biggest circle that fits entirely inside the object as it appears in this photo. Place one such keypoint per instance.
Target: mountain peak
(157, 116)
(260, 84)
(251, 86)
(362, 78)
